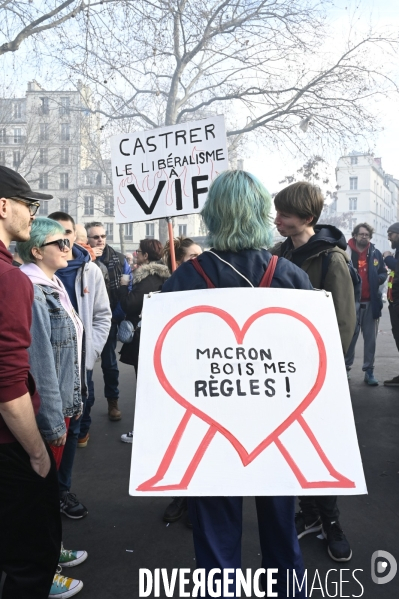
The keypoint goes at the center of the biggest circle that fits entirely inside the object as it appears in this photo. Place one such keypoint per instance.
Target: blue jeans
(109, 364)
(217, 529)
(86, 418)
(68, 457)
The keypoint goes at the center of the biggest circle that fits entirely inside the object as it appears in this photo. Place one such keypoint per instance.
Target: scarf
(113, 264)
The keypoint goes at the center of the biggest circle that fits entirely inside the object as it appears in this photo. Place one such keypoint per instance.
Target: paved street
(117, 523)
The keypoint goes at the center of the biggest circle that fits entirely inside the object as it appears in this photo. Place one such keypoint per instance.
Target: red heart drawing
(246, 457)
(214, 426)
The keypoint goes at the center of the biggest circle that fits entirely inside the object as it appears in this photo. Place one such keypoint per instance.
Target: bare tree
(265, 64)
(271, 66)
(22, 20)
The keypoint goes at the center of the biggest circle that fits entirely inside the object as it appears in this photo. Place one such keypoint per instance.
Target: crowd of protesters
(67, 295)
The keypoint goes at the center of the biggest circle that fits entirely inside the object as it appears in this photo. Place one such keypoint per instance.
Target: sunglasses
(62, 244)
(32, 206)
(97, 237)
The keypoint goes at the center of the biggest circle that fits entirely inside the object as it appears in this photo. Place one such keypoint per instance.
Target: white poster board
(167, 171)
(243, 392)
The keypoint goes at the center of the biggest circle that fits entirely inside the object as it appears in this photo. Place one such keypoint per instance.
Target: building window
(44, 132)
(64, 108)
(352, 203)
(17, 110)
(43, 181)
(17, 136)
(2, 158)
(182, 230)
(43, 210)
(149, 230)
(16, 158)
(92, 178)
(3, 136)
(109, 206)
(353, 159)
(64, 181)
(65, 132)
(64, 157)
(64, 205)
(89, 205)
(352, 182)
(43, 156)
(44, 107)
(109, 229)
(129, 231)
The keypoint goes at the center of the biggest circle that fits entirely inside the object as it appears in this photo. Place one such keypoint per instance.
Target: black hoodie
(325, 237)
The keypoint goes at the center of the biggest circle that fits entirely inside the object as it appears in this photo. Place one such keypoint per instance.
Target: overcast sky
(271, 168)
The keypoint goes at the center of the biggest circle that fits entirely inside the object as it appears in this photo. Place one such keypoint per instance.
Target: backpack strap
(203, 274)
(269, 272)
(325, 263)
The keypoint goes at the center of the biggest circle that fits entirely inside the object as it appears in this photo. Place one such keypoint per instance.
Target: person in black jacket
(369, 263)
(236, 213)
(391, 260)
(148, 276)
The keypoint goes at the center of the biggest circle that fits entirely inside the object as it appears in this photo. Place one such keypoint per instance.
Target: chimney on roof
(378, 162)
(34, 86)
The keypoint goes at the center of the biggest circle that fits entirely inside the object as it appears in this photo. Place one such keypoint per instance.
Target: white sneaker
(64, 587)
(70, 558)
(127, 437)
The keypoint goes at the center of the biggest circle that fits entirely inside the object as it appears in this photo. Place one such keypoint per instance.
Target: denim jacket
(53, 356)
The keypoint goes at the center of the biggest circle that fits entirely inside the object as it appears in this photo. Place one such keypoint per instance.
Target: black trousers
(324, 506)
(394, 316)
(30, 525)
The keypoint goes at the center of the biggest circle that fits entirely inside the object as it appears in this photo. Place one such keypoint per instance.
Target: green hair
(41, 229)
(237, 212)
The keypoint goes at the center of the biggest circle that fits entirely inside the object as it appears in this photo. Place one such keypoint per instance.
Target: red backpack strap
(269, 272)
(203, 274)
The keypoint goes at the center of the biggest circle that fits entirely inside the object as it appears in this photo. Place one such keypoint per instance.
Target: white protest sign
(243, 392)
(167, 171)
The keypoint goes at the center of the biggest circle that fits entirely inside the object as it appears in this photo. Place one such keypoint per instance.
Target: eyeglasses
(97, 237)
(32, 206)
(62, 244)
(363, 235)
(139, 251)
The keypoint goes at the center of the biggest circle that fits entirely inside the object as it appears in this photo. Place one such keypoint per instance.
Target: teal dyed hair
(41, 229)
(237, 212)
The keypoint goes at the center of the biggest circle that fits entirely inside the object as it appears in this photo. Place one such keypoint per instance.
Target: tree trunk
(122, 238)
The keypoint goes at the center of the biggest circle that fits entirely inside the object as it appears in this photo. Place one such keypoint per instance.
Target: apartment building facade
(53, 139)
(366, 193)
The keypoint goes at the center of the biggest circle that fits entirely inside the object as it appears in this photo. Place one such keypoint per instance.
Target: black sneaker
(392, 382)
(338, 545)
(304, 526)
(71, 507)
(175, 510)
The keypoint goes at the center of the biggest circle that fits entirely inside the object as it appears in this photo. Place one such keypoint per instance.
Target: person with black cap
(30, 522)
(391, 261)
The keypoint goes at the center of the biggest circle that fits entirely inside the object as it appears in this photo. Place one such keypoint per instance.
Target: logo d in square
(383, 567)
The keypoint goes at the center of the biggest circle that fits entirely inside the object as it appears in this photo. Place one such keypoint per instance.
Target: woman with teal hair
(237, 215)
(56, 355)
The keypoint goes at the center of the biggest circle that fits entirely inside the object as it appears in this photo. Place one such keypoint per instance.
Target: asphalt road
(123, 534)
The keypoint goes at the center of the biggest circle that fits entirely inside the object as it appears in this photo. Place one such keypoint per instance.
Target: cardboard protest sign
(243, 392)
(167, 171)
